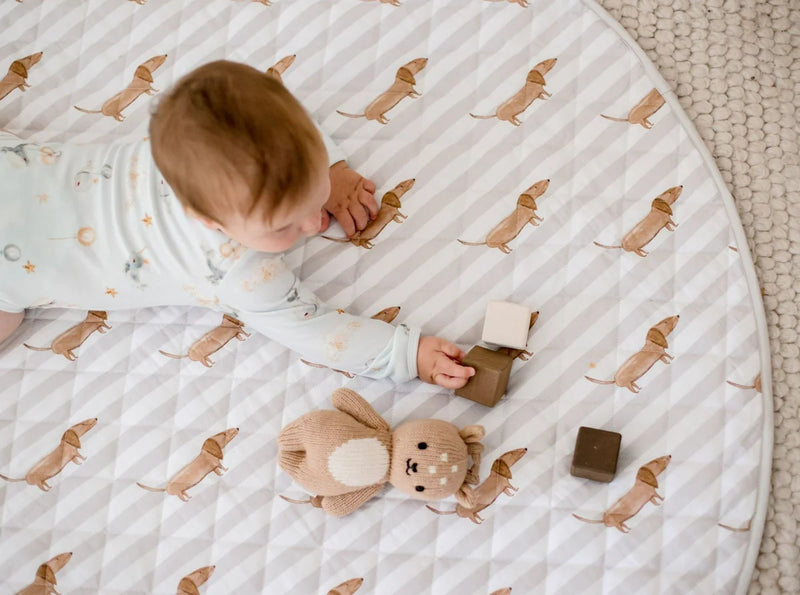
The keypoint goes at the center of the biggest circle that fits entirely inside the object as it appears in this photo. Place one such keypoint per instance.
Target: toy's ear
(353, 404)
(471, 435)
(465, 496)
(344, 504)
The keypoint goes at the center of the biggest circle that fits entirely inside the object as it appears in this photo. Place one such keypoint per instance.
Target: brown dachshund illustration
(213, 341)
(522, 99)
(523, 4)
(642, 492)
(141, 83)
(386, 315)
(52, 463)
(17, 75)
(72, 338)
(209, 459)
(648, 106)
(402, 87)
(139, 2)
(45, 581)
(280, 67)
(509, 228)
(497, 483)
(756, 383)
(393, 3)
(507, 590)
(637, 365)
(389, 211)
(347, 587)
(189, 584)
(522, 354)
(659, 217)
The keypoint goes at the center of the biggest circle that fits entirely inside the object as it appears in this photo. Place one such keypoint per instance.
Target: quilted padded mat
(536, 130)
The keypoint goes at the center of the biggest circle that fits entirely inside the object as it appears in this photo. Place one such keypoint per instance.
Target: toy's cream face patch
(429, 459)
(359, 462)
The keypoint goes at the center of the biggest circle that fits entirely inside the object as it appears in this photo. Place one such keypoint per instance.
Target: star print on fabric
(30, 268)
(148, 220)
(111, 291)
(42, 197)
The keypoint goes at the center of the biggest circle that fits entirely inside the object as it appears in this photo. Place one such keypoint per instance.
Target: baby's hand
(438, 362)
(352, 199)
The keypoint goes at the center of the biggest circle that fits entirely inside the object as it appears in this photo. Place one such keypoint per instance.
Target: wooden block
(506, 324)
(596, 453)
(492, 370)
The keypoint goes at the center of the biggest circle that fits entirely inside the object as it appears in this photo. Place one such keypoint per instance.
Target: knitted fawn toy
(345, 456)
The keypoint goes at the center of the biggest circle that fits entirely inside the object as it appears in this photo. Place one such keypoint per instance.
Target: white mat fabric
(595, 305)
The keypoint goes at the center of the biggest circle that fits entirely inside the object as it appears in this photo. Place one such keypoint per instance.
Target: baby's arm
(266, 295)
(352, 199)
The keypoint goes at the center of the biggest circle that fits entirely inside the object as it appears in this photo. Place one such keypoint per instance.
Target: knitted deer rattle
(345, 456)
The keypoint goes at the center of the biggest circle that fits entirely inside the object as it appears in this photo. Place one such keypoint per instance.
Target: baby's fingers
(367, 199)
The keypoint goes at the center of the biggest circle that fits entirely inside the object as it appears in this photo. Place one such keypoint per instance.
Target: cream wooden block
(506, 324)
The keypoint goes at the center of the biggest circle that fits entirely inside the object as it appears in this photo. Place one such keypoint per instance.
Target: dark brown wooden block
(596, 453)
(492, 369)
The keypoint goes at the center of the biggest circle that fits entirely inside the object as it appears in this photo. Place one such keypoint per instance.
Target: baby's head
(242, 155)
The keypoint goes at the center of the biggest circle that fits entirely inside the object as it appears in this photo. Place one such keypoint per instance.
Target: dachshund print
(498, 482)
(54, 462)
(659, 217)
(522, 99)
(640, 113)
(523, 4)
(213, 341)
(209, 459)
(65, 343)
(386, 315)
(280, 67)
(402, 87)
(642, 492)
(507, 590)
(388, 212)
(45, 581)
(189, 584)
(509, 228)
(141, 83)
(17, 75)
(637, 365)
(756, 384)
(392, 2)
(347, 587)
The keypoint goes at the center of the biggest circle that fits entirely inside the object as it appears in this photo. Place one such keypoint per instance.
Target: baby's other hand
(352, 199)
(439, 362)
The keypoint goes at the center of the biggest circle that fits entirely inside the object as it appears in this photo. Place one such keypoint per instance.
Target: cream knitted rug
(735, 66)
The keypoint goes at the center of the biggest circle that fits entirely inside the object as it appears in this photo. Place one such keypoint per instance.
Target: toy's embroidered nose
(410, 467)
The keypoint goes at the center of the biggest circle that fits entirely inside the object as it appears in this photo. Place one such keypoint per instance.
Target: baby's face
(299, 220)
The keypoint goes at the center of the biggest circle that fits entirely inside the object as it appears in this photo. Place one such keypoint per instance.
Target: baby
(235, 173)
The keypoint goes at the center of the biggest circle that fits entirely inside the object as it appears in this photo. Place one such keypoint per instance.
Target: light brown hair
(228, 138)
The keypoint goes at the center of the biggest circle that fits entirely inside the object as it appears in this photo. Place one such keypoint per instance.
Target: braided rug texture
(735, 67)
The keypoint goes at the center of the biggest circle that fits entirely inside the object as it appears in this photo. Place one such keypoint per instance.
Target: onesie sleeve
(335, 154)
(267, 296)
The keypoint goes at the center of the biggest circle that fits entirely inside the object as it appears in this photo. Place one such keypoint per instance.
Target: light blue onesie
(96, 227)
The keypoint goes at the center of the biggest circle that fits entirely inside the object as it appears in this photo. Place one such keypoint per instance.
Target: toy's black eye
(422, 446)
(420, 488)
